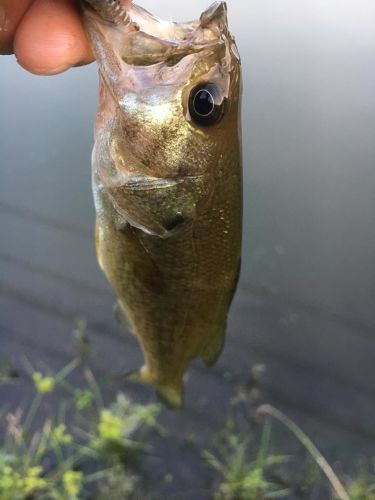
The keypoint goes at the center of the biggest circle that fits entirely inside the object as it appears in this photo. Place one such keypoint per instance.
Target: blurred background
(305, 304)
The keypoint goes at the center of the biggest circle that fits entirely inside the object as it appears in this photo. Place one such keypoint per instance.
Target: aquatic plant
(59, 461)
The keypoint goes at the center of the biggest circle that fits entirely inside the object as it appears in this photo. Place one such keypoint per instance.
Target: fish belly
(175, 292)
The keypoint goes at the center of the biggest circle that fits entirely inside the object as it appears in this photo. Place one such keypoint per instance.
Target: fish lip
(216, 12)
(143, 20)
(145, 40)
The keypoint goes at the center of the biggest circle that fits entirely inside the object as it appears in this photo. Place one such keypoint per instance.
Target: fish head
(171, 91)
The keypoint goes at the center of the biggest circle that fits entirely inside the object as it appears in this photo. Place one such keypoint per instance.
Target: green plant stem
(310, 447)
(264, 445)
(58, 454)
(39, 452)
(67, 370)
(96, 476)
(32, 412)
(94, 389)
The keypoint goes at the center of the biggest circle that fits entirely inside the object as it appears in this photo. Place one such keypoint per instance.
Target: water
(309, 153)
(309, 239)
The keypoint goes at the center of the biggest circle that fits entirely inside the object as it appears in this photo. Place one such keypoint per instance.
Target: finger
(51, 38)
(11, 13)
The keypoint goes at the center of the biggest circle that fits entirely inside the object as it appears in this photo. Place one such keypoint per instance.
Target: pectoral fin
(156, 206)
(122, 318)
(145, 269)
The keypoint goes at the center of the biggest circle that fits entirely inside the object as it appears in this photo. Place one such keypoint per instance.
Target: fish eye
(206, 106)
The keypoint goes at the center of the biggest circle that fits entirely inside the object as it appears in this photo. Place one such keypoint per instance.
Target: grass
(241, 478)
(362, 487)
(90, 450)
(248, 468)
(99, 453)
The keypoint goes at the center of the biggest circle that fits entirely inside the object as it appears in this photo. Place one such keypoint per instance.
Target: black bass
(167, 181)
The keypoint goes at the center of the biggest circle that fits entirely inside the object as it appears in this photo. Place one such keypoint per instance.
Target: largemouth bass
(167, 181)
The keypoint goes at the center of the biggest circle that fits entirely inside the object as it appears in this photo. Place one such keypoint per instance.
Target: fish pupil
(204, 103)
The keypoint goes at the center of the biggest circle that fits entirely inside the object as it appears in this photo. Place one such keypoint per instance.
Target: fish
(167, 181)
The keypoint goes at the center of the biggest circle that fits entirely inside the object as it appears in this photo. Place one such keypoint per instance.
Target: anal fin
(170, 395)
(212, 350)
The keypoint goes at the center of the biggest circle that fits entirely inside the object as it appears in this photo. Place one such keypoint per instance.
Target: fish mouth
(215, 15)
(142, 39)
(119, 13)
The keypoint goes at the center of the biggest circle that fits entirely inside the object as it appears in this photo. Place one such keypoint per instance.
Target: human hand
(46, 36)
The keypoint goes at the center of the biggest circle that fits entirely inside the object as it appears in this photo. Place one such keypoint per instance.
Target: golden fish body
(167, 183)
